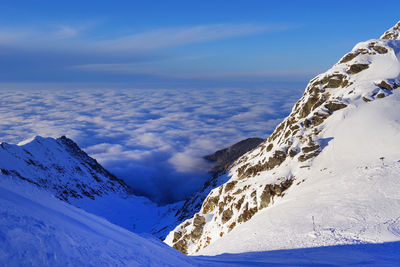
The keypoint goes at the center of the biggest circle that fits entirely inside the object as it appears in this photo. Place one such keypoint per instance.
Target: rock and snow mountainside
(60, 167)
(223, 159)
(328, 174)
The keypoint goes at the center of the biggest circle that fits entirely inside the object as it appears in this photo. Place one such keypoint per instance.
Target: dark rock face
(225, 157)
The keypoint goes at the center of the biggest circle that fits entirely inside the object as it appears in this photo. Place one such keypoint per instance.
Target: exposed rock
(333, 106)
(198, 223)
(310, 148)
(356, 68)
(231, 226)
(305, 157)
(269, 147)
(177, 236)
(226, 215)
(277, 158)
(366, 99)
(380, 49)
(210, 203)
(238, 205)
(318, 118)
(292, 152)
(230, 185)
(385, 85)
(265, 198)
(348, 57)
(181, 245)
(380, 95)
(247, 213)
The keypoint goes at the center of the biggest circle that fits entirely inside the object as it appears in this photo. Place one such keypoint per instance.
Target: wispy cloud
(149, 40)
(178, 36)
(160, 70)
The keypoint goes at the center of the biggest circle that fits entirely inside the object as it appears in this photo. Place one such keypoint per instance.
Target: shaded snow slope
(316, 163)
(386, 254)
(37, 229)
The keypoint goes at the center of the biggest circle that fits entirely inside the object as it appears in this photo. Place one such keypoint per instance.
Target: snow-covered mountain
(328, 174)
(60, 167)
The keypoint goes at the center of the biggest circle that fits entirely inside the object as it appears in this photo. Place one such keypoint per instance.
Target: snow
(386, 254)
(37, 229)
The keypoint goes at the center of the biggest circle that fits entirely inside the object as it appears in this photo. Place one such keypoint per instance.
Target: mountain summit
(327, 175)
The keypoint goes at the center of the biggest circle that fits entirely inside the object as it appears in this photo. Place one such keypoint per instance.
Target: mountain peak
(393, 33)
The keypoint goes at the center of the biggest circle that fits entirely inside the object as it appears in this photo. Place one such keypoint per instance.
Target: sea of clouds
(153, 139)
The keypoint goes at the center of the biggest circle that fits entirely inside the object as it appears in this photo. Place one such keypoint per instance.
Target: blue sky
(171, 44)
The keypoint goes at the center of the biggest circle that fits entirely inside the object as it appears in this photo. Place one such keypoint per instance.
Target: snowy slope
(37, 229)
(322, 161)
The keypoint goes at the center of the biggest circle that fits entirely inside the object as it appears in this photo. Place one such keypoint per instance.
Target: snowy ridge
(60, 167)
(275, 171)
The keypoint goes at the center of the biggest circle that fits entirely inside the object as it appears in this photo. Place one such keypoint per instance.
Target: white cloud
(154, 139)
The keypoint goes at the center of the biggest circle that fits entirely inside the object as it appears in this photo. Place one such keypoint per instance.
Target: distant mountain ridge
(280, 164)
(59, 166)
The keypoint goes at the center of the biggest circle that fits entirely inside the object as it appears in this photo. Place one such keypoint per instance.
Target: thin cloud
(150, 40)
(177, 36)
(152, 68)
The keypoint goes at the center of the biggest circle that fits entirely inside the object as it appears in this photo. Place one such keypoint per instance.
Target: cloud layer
(153, 139)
